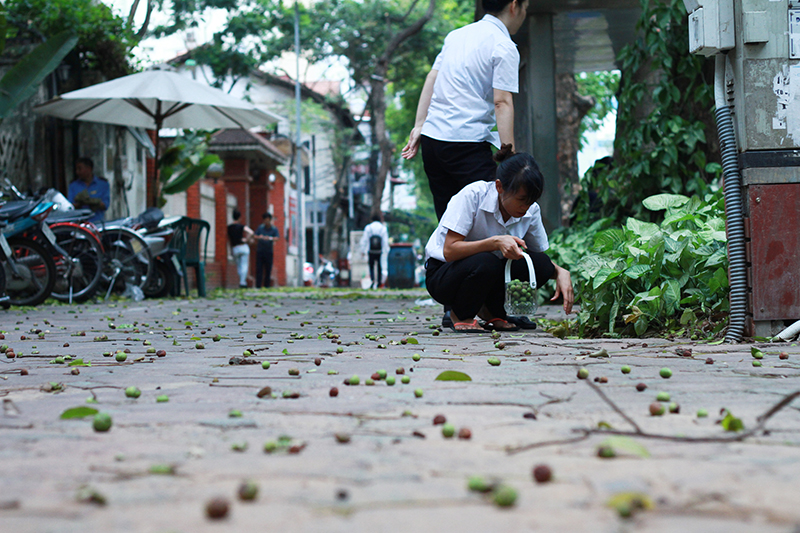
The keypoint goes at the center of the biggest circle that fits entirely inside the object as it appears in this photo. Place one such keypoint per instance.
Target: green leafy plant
(663, 126)
(186, 161)
(670, 276)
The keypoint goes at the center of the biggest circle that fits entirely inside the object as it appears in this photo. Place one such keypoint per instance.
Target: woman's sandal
(498, 324)
(467, 327)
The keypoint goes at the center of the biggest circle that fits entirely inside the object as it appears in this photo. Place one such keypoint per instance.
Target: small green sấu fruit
(702, 413)
(121, 356)
(161, 398)
(504, 496)
(625, 369)
(354, 380)
(665, 373)
(478, 484)
(102, 421)
(583, 373)
(656, 409)
(662, 397)
(133, 392)
(265, 365)
(494, 361)
(448, 430)
(418, 393)
(416, 357)
(405, 380)
(390, 380)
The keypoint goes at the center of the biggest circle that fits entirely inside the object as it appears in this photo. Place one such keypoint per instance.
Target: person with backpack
(375, 245)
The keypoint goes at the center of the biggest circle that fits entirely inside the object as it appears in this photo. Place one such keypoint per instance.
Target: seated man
(88, 191)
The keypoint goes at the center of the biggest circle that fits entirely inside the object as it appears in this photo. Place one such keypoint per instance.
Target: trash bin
(401, 266)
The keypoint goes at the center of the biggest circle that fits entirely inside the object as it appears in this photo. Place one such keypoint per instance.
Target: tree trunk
(571, 107)
(377, 103)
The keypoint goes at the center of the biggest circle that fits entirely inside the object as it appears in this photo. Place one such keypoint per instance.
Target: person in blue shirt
(88, 191)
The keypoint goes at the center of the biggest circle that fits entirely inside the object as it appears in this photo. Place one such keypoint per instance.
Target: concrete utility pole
(301, 230)
(314, 223)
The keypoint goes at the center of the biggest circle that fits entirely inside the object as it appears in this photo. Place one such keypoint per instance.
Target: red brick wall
(221, 238)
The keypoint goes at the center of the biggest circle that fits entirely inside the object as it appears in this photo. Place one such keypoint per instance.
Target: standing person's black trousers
(264, 270)
(451, 166)
(468, 284)
(375, 273)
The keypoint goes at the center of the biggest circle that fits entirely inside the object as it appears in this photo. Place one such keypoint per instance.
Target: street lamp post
(301, 248)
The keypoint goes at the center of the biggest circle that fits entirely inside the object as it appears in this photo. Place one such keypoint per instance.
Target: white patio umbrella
(156, 99)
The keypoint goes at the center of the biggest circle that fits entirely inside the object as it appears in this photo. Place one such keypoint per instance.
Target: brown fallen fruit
(23, 372)
(217, 508)
(317, 361)
(542, 473)
(375, 376)
(709, 361)
(464, 433)
(641, 387)
(161, 353)
(439, 419)
(783, 355)
(334, 392)
(75, 372)
(266, 391)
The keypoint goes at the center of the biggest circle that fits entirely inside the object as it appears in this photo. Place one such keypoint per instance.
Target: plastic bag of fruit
(521, 296)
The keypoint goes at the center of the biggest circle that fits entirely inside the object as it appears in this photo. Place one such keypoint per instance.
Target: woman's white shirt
(475, 213)
(474, 60)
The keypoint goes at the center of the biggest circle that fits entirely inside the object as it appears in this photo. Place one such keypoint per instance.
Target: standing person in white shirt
(485, 224)
(467, 92)
(375, 245)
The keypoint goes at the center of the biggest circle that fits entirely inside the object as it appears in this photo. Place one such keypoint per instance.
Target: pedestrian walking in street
(240, 237)
(375, 245)
(266, 234)
(468, 91)
(484, 225)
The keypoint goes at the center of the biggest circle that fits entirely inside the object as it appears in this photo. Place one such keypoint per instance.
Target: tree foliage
(104, 43)
(663, 121)
(603, 87)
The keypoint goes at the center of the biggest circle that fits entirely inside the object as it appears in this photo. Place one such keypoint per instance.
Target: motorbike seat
(17, 209)
(73, 215)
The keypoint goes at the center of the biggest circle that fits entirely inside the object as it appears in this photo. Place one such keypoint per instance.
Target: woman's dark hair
(495, 6)
(236, 214)
(519, 172)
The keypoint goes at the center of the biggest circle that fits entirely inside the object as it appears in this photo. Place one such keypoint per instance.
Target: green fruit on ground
(161, 398)
(416, 357)
(390, 380)
(662, 397)
(756, 363)
(674, 408)
(265, 365)
(504, 496)
(234, 413)
(248, 491)
(494, 361)
(270, 446)
(339, 350)
(199, 345)
(405, 380)
(102, 421)
(133, 392)
(354, 380)
(151, 350)
(665, 373)
(656, 409)
(625, 369)
(418, 393)
(369, 381)
(606, 452)
(121, 356)
(702, 413)
(382, 374)
(478, 484)
(756, 353)
(294, 371)
(583, 373)
(448, 430)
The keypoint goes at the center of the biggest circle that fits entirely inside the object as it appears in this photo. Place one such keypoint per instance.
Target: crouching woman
(484, 225)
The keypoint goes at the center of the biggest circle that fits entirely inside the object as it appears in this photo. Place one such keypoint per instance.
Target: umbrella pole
(156, 180)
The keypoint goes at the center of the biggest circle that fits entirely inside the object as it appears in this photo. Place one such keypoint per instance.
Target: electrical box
(710, 26)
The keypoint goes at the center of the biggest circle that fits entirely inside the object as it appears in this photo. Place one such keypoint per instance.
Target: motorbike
(166, 276)
(29, 268)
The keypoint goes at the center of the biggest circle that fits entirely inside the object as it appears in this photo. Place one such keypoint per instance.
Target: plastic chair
(188, 238)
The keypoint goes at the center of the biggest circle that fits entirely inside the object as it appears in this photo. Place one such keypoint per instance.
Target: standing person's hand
(412, 146)
(564, 288)
(510, 246)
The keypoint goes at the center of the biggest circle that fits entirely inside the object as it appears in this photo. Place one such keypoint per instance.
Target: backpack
(375, 244)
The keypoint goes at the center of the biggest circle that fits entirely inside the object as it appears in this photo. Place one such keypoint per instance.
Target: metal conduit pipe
(733, 207)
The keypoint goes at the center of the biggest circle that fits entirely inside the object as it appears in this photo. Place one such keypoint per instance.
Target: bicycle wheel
(35, 272)
(127, 259)
(79, 277)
